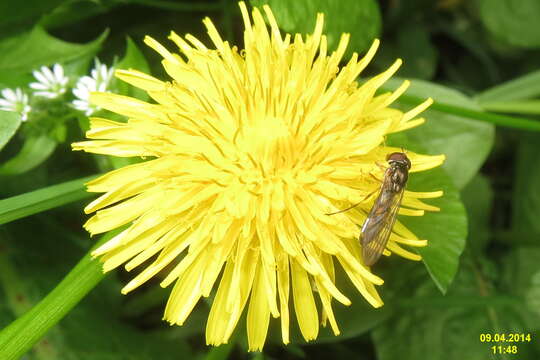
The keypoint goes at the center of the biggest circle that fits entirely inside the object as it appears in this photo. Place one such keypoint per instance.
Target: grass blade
(37, 201)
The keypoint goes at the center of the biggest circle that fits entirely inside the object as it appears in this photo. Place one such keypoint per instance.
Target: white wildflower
(16, 101)
(98, 80)
(50, 84)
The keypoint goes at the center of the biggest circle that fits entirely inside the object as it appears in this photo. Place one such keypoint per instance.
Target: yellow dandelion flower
(249, 152)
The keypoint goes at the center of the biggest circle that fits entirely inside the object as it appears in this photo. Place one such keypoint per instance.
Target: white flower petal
(38, 86)
(48, 74)
(40, 77)
(46, 94)
(5, 104)
(58, 72)
(87, 81)
(81, 93)
(102, 87)
(9, 95)
(80, 104)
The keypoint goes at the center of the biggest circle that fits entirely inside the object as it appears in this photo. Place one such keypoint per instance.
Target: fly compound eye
(408, 162)
(397, 157)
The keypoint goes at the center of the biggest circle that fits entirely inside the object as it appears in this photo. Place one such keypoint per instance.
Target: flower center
(266, 139)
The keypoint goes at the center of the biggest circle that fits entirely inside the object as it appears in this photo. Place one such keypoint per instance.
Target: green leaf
(478, 199)
(15, 80)
(466, 143)
(37, 201)
(35, 150)
(521, 278)
(19, 14)
(524, 87)
(9, 123)
(526, 197)
(445, 231)
(28, 51)
(449, 327)
(75, 12)
(477, 53)
(221, 352)
(362, 20)
(513, 21)
(413, 45)
(133, 59)
(353, 320)
(192, 6)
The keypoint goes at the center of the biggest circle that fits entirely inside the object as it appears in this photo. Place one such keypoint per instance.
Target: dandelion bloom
(248, 152)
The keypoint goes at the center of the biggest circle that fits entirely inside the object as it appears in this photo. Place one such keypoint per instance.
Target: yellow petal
(304, 303)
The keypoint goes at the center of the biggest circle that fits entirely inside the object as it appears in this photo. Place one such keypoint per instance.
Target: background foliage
(477, 59)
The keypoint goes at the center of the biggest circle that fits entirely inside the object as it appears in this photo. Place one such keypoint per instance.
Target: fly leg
(355, 205)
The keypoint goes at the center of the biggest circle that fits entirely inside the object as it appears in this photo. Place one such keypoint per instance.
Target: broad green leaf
(445, 231)
(18, 15)
(513, 21)
(353, 320)
(188, 6)
(521, 278)
(26, 52)
(360, 18)
(415, 48)
(75, 12)
(524, 87)
(465, 142)
(133, 59)
(472, 39)
(449, 327)
(478, 199)
(37, 201)
(9, 123)
(526, 196)
(14, 80)
(221, 352)
(34, 151)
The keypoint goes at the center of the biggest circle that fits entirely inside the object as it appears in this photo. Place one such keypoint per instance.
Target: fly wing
(379, 224)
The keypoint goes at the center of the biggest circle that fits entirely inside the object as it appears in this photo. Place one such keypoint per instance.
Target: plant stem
(33, 202)
(496, 119)
(517, 107)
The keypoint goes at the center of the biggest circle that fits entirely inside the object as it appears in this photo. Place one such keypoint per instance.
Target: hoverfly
(382, 216)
